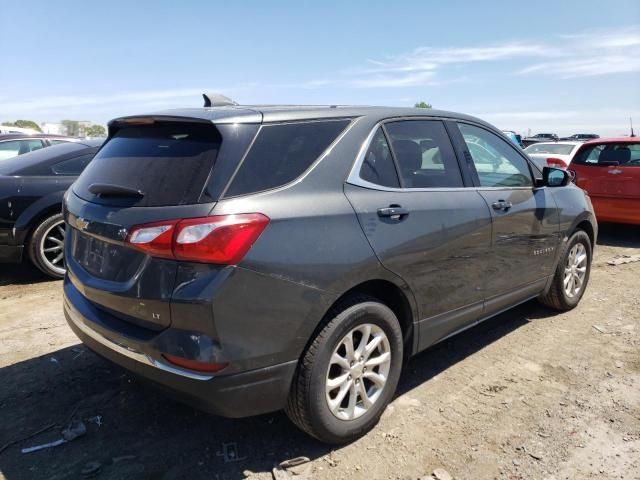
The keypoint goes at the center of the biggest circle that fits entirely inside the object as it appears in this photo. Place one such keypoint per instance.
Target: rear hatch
(148, 171)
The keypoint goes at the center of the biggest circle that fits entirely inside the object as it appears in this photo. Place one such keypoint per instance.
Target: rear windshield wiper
(110, 190)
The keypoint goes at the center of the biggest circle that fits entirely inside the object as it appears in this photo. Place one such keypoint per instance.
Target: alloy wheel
(52, 248)
(358, 371)
(575, 271)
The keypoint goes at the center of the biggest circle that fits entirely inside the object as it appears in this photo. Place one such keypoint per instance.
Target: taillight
(556, 163)
(223, 239)
(194, 364)
(156, 239)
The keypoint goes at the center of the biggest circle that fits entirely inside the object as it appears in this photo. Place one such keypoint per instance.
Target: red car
(609, 170)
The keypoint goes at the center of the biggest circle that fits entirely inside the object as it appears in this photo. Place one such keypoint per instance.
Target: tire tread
(298, 411)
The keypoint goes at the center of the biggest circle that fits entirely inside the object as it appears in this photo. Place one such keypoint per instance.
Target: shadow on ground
(619, 235)
(145, 435)
(21, 274)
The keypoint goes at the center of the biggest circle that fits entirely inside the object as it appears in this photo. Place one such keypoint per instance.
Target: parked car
(581, 137)
(250, 259)
(31, 190)
(4, 129)
(14, 144)
(540, 137)
(609, 170)
(514, 137)
(556, 154)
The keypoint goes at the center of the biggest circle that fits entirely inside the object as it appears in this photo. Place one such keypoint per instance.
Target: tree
(24, 124)
(95, 131)
(72, 127)
(422, 105)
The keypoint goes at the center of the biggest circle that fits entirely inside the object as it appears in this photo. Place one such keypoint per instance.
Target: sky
(559, 66)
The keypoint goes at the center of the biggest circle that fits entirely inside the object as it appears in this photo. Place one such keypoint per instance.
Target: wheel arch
(586, 226)
(35, 213)
(36, 219)
(397, 298)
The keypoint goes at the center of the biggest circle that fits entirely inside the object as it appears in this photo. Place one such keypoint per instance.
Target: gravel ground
(528, 394)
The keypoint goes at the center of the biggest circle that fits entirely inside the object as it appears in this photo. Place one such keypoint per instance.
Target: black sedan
(31, 190)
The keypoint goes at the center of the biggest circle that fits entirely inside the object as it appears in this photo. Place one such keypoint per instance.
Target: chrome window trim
(354, 175)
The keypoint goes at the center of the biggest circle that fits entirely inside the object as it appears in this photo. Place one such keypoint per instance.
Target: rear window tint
(378, 166)
(169, 163)
(73, 166)
(283, 152)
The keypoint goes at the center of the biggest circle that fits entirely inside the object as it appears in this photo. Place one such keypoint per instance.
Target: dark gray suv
(250, 259)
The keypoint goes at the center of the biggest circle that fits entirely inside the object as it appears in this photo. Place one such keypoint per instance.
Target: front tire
(46, 247)
(572, 273)
(349, 372)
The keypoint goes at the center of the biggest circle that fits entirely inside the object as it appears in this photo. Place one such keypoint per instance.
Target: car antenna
(631, 124)
(213, 99)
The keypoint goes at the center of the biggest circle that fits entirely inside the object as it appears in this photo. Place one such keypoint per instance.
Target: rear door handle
(502, 205)
(394, 213)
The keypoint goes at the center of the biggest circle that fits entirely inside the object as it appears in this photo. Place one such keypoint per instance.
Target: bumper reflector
(194, 364)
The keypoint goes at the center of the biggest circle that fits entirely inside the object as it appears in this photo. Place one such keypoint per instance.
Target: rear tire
(572, 273)
(46, 246)
(329, 373)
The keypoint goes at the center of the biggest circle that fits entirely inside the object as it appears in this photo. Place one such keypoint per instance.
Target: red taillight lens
(556, 163)
(195, 365)
(221, 239)
(156, 239)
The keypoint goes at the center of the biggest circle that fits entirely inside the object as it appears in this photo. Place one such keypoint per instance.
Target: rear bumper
(237, 395)
(11, 253)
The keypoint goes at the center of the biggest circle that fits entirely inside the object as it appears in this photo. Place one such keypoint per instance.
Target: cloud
(568, 56)
(594, 54)
(64, 101)
(411, 79)
(588, 67)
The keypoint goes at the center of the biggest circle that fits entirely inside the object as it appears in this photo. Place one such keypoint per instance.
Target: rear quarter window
(281, 153)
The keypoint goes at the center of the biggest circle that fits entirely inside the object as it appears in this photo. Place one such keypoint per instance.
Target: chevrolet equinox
(255, 258)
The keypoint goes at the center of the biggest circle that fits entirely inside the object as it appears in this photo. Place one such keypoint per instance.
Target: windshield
(554, 148)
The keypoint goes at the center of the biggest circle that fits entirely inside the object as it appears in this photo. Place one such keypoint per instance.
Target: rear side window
(378, 166)
(625, 154)
(169, 163)
(281, 153)
(424, 154)
(12, 148)
(73, 166)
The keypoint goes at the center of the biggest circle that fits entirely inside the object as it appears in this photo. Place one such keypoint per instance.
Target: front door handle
(502, 205)
(395, 212)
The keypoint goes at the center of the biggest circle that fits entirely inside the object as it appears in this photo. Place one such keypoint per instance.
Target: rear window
(625, 154)
(283, 152)
(169, 163)
(552, 148)
(73, 166)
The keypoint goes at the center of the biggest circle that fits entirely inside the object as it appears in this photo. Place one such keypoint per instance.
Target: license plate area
(105, 260)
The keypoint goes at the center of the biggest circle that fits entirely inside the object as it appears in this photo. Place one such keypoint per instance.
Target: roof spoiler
(216, 100)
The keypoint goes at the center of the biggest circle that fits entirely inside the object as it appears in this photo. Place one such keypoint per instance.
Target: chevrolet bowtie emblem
(81, 223)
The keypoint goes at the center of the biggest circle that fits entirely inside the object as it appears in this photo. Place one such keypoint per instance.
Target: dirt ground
(529, 394)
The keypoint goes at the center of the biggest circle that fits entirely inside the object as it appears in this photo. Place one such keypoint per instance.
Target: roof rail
(213, 99)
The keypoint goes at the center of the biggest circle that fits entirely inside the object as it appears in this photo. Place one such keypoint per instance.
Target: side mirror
(555, 177)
